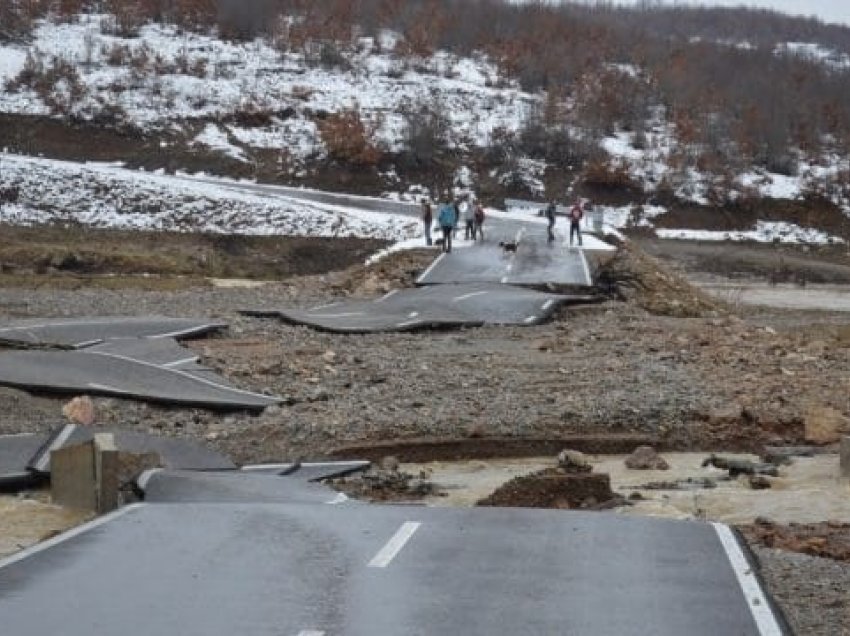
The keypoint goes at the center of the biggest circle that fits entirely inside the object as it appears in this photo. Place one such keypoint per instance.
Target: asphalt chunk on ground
(438, 306)
(82, 332)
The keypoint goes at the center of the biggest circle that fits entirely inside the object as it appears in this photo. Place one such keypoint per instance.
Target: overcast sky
(826, 10)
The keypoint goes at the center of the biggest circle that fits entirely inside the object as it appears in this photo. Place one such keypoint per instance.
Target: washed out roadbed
(656, 360)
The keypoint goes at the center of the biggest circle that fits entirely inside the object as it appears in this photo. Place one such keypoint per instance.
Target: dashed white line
(341, 497)
(310, 632)
(530, 319)
(177, 363)
(469, 295)
(387, 295)
(753, 594)
(407, 323)
(548, 304)
(413, 314)
(394, 545)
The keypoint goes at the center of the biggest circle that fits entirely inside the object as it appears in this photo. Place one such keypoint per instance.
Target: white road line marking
(63, 436)
(504, 279)
(407, 323)
(413, 314)
(424, 274)
(177, 363)
(145, 477)
(753, 594)
(183, 332)
(341, 497)
(387, 295)
(530, 319)
(346, 314)
(177, 371)
(70, 534)
(394, 545)
(310, 632)
(328, 306)
(266, 467)
(105, 387)
(548, 304)
(469, 295)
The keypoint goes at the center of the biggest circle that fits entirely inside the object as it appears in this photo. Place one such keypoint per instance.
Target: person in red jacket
(576, 215)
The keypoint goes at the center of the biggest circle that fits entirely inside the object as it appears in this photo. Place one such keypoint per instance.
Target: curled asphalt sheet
(126, 357)
(16, 452)
(177, 454)
(426, 307)
(80, 332)
(534, 263)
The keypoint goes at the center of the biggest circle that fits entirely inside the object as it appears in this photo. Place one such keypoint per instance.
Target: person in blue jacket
(447, 219)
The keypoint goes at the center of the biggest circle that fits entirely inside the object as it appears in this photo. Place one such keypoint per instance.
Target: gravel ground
(812, 592)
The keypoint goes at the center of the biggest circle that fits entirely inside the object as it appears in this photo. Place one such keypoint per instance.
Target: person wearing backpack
(427, 219)
(576, 215)
(447, 219)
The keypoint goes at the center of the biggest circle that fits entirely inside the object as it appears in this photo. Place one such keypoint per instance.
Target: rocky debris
(825, 425)
(758, 482)
(635, 276)
(740, 466)
(829, 539)
(386, 483)
(691, 483)
(781, 454)
(571, 461)
(80, 410)
(554, 488)
(645, 458)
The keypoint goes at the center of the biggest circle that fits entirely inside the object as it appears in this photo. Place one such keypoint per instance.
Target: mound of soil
(828, 539)
(636, 277)
(552, 488)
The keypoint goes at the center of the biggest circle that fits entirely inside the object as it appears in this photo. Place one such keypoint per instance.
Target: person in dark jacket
(576, 215)
(427, 220)
(550, 217)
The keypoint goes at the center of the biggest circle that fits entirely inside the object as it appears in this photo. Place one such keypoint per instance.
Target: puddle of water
(807, 491)
(234, 283)
(823, 297)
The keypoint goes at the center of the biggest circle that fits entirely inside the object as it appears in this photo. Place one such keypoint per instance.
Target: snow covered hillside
(103, 196)
(165, 78)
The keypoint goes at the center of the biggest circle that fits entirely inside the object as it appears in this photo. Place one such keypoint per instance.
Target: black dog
(440, 242)
(508, 247)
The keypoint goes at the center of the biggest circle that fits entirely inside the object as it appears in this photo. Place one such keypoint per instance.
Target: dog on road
(508, 247)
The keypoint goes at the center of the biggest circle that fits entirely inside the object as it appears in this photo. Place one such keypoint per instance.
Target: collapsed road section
(124, 357)
(436, 306)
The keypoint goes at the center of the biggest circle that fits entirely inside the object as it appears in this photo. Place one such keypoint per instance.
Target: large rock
(571, 461)
(825, 425)
(80, 410)
(645, 458)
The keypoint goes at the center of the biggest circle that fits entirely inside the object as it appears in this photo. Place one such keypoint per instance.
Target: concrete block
(845, 458)
(72, 477)
(91, 476)
(114, 469)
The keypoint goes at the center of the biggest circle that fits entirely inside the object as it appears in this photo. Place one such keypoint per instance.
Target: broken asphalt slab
(93, 372)
(81, 332)
(177, 454)
(152, 367)
(437, 306)
(16, 452)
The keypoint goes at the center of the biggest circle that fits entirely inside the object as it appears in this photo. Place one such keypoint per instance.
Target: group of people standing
(449, 215)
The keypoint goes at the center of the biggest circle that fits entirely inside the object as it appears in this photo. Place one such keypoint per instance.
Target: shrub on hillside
(347, 139)
(604, 173)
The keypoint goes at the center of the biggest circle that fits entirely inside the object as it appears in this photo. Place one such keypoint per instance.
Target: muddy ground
(657, 358)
